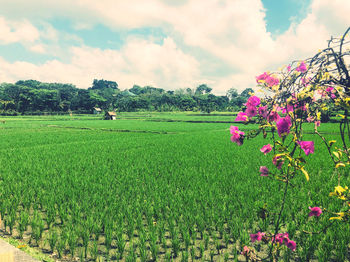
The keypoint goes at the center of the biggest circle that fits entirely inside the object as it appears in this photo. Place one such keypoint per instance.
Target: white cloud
(139, 62)
(231, 31)
(17, 31)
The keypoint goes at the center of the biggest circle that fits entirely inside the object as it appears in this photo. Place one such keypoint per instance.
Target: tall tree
(245, 92)
(231, 93)
(202, 89)
(101, 84)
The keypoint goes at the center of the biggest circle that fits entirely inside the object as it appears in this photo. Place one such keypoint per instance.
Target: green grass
(159, 188)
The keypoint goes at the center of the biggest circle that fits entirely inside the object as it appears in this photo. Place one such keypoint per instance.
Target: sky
(169, 44)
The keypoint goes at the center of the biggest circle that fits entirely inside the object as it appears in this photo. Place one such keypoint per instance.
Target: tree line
(35, 97)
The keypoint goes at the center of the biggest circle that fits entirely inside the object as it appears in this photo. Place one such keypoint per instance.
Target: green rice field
(157, 186)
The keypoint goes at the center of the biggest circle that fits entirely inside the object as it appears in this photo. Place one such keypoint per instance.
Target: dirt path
(9, 253)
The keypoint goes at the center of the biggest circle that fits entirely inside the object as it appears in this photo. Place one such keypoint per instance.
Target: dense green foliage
(34, 97)
(152, 186)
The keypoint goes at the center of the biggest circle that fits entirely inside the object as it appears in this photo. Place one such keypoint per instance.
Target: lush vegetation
(155, 186)
(34, 97)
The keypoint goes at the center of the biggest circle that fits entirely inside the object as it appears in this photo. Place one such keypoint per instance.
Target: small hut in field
(97, 110)
(111, 115)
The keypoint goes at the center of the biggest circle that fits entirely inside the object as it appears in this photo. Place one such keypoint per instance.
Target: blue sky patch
(100, 36)
(17, 52)
(281, 13)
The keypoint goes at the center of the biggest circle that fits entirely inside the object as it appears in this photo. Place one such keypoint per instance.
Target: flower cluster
(281, 238)
(284, 239)
(237, 136)
(267, 79)
(302, 68)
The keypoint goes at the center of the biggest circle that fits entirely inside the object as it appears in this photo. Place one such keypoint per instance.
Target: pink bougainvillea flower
(263, 111)
(237, 136)
(238, 139)
(283, 126)
(302, 67)
(264, 171)
(266, 149)
(256, 237)
(329, 89)
(291, 245)
(241, 116)
(262, 77)
(268, 79)
(315, 211)
(289, 68)
(272, 81)
(278, 239)
(284, 239)
(307, 146)
(253, 101)
(251, 111)
(233, 129)
(281, 238)
(273, 116)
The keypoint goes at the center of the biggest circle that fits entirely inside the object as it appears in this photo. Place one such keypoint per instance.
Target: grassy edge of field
(36, 254)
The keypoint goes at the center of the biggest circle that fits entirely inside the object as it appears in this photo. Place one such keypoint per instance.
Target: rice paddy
(152, 186)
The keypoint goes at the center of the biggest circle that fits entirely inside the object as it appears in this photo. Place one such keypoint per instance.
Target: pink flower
(283, 126)
(262, 77)
(253, 101)
(266, 149)
(284, 239)
(237, 136)
(307, 146)
(315, 211)
(278, 161)
(256, 237)
(251, 111)
(233, 129)
(241, 117)
(281, 238)
(268, 79)
(264, 171)
(302, 67)
(272, 81)
(273, 116)
(291, 245)
(263, 111)
(289, 68)
(329, 89)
